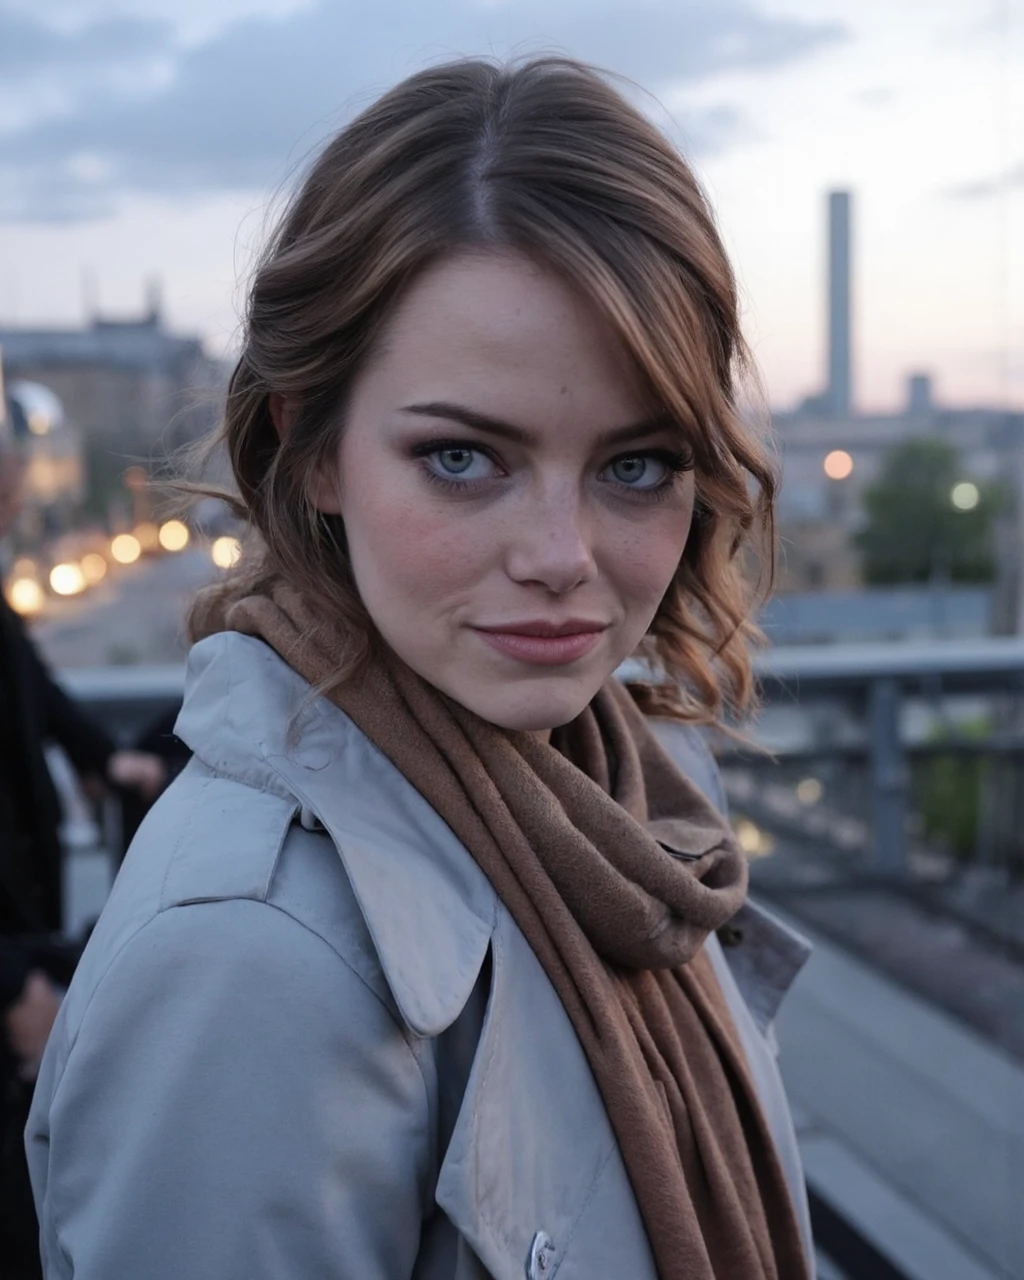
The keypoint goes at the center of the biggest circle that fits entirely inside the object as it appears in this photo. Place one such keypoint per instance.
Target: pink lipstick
(544, 643)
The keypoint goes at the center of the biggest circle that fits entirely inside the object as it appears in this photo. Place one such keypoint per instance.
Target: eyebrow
(519, 435)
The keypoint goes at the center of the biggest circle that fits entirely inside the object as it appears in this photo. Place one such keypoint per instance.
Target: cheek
(405, 551)
(647, 558)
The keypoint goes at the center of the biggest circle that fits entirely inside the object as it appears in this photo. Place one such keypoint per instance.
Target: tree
(913, 532)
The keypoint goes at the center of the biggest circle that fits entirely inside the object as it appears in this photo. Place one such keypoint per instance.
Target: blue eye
(640, 471)
(455, 461)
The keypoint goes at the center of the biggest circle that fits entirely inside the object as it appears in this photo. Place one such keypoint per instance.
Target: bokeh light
(809, 791)
(754, 842)
(25, 596)
(148, 535)
(225, 552)
(174, 535)
(965, 496)
(838, 464)
(125, 548)
(67, 579)
(94, 568)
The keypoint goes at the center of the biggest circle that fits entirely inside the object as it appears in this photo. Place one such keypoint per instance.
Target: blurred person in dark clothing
(35, 962)
(35, 710)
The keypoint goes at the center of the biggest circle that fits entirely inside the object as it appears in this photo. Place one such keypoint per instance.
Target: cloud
(190, 20)
(28, 48)
(232, 112)
(985, 188)
(879, 96)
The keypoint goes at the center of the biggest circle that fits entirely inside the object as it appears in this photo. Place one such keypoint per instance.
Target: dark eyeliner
(426, 447)
(676, 462)
(451, 484)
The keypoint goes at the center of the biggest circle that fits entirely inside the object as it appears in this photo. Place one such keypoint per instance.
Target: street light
(147, 535)
(965, 496)
(755, 842)
(94, 568)
(25, 596)
(67, 579)
(838, 465)
(809, 791)
(125, 549)
(174, 535)
(225, 552)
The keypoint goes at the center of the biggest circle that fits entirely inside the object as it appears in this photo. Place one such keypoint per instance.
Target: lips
(544, 643)
(541, 627)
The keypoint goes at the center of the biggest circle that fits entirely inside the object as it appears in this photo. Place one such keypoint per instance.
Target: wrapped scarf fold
(616, 869)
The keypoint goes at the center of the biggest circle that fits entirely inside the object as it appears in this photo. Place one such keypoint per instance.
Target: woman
(413, 971)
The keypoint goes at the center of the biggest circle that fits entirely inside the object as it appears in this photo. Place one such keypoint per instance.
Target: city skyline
(109, 180)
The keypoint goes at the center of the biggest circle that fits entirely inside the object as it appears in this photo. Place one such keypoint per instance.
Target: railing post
(889, 778)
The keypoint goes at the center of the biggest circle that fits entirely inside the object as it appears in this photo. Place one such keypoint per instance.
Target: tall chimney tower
(839, 393)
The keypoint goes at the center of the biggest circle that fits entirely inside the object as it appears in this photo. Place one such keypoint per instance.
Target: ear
(322, 488)
(282, 413)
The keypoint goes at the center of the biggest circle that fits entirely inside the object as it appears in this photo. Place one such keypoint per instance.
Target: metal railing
(877, 712)
(891, 712)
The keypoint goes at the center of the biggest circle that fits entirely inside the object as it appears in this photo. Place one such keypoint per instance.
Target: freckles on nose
(548, 525)
(551, 542)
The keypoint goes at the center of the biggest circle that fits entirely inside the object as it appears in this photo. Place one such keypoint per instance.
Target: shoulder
(239, 1037)
(213, 840)
(427, 906)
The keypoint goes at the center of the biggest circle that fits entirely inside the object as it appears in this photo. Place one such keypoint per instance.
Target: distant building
(920, 402)
(818, 515)
(820, 506)
(127, 380)
(816, 554)
(987, 440)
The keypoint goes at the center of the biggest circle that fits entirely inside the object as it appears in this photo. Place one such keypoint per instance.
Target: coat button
(308, 819)
(540, 1264)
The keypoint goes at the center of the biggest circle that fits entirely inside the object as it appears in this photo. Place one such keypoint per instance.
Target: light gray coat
(308, 1042)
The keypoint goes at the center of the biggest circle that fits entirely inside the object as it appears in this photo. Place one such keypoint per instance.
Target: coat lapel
(532, 1162)
(428, 906)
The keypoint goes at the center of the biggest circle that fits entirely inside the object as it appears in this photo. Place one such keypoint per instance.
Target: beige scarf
(616, 869)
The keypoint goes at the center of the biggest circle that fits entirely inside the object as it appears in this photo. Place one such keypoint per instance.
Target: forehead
(498, 331)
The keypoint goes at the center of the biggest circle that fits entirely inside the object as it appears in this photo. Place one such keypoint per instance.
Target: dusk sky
(148, 138)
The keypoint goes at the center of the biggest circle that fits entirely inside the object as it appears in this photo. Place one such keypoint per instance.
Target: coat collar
(249, 716)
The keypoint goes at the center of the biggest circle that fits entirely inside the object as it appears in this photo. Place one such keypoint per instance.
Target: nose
(552, 544)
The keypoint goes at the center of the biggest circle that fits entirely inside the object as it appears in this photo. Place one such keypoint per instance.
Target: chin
(531, 710)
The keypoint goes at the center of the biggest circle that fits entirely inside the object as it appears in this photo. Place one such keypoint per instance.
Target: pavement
(902, 1044)
(910, 1123)
(136, 615)
(952, 961)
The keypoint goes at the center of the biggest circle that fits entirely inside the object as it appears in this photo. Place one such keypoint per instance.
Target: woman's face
(514, 511)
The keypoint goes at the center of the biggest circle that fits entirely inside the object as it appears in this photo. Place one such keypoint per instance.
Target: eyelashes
(466, 457)
(462, 460)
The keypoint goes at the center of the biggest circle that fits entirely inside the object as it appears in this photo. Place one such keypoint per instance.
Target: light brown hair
(545, 157)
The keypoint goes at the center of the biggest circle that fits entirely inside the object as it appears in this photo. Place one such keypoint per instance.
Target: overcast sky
(148, 137)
